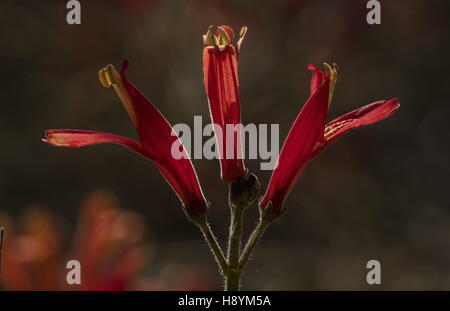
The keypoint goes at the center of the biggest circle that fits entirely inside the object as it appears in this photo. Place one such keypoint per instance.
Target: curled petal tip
(57, 140)
(46, 139)
(395, 103)
(225, 35)
(228, 30)
(392, 103)
(219, 36)
(208, 38)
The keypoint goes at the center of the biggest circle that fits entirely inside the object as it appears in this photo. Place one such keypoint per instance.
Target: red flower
(156, 138)
(107, 242)
(220, 68)
(108, 245)
(310, 135)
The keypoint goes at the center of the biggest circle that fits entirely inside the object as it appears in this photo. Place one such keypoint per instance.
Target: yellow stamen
(334, 74)
(110, 77)
(242, 34)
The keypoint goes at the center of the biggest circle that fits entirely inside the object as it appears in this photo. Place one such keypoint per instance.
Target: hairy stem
(233, 279)
(234, 243)
(233, 275)
(213, 244)
(253, 240)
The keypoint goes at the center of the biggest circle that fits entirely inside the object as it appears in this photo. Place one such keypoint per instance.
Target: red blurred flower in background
(220, 69)
(108, 243)
(310, 134)
(156, 138)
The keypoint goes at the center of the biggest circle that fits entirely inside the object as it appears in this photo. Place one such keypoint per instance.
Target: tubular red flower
(156, 137)
(309, 135)
(306, 131)
(220, 68)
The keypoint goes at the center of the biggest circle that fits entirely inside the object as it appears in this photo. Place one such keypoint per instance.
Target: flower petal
(297, 149)
(181, 176)
(157, 138)
(80, 138)
(366, 115)
(179, 173)
(317, 79)
(154, 131)
(220, 68)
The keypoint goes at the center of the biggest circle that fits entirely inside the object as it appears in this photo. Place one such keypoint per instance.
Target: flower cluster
(309, 135)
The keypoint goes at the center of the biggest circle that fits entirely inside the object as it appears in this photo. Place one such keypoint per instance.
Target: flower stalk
(242, 193)
(254, 238)
(233, 273)
(214, 246)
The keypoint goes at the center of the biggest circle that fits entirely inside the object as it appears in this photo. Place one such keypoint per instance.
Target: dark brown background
(379, 193)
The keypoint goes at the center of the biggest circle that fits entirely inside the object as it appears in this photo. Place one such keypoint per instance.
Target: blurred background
(380, 192)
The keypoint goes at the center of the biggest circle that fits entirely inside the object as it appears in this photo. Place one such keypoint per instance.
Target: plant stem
(233, 279)
(233, 274)
(234, 243)
(213, 244)
(253, 240)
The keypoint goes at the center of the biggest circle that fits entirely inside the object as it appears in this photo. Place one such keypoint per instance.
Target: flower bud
(244, 191)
